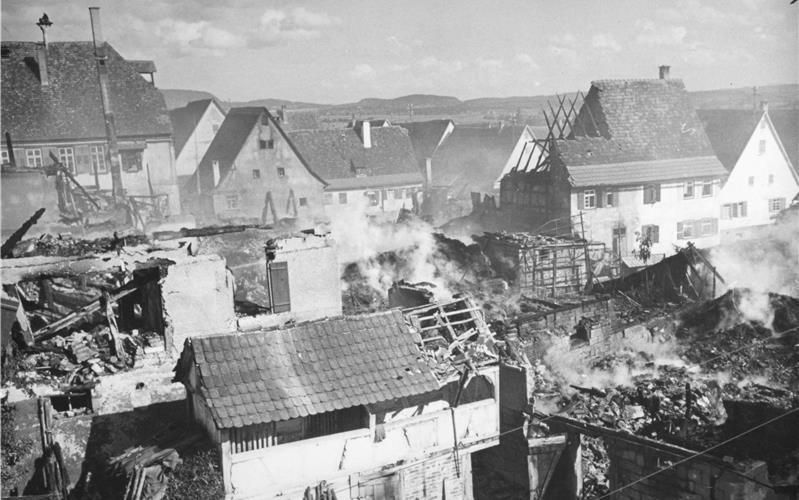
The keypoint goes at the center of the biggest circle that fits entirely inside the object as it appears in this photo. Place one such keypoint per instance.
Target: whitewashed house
(195, 126)
(762, 177)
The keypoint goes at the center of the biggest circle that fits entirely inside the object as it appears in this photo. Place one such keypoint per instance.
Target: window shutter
(83, 161)
(600, 198)
(655, 237)
(278, 282)
(743, 209)
(614, 200)
(679, 230)
(657, 192)
(580, 200)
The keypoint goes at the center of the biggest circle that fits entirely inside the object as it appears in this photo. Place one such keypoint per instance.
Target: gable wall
(753, 164)
(252, 192)
(199, 140)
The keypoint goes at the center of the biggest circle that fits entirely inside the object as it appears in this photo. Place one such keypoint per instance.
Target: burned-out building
(52, 105)
(633, 164)
(354, 399)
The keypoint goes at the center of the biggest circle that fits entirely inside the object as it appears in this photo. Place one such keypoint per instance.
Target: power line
(698, 454)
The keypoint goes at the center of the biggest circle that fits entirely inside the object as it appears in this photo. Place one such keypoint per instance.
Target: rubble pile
(64, 245)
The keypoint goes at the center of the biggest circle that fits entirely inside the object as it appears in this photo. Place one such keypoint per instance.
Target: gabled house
(462, 159)
(366, 169)
(634, 165)
(349, 408)
(762, 177)
(194, 126)
(51, 103)
(252, 172)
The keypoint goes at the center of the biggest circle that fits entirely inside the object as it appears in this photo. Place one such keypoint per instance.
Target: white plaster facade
(200, 138)
(763, 179)
(525, 154)
(631, 213)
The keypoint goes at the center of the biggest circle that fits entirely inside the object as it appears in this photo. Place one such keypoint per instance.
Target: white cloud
(435, 64)
(605, 43)
(490, 64)
(363, 72)
(652, 34)
(197, 37)
(279, 26)
(526, 60)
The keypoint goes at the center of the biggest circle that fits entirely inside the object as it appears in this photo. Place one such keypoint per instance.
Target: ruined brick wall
(430, 479)
(694, 480)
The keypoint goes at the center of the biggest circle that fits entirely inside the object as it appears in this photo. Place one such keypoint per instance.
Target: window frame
(66, 155)
(34, 154)
(709, 185)
(689, 186)
(302, 201)
(5, 157)
(96, 154)
(342, 199)
(779, 201)
(281, 172)
(256, 173)
(761, 147)
(589, 194)
(751, 180)
(235, 199)
(124, 157)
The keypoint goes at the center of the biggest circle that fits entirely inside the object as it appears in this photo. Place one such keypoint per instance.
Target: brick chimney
(664, 72)
(41, 60)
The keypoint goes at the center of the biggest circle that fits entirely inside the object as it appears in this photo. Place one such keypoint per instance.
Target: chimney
(41, 52)
(41, 59)
(366, 133)
(664, 72)
(428, 171)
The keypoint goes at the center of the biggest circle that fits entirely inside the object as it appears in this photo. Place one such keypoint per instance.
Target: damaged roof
(258, 377)
(339, 157)
(70, 107)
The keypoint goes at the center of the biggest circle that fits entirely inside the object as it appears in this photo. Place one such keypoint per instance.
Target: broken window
(651, 193)
(33, 157)
(131, 160)
(380, 488)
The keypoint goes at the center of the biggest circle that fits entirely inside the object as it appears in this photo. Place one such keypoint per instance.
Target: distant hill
(177, 98)
(778, 96)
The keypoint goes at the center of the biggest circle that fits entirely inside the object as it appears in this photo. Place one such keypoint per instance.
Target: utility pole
(108, 112)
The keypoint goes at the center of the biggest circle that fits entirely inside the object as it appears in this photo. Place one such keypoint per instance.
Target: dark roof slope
(185, 120)
(70, 106)
(426, 136)
(338, 156)
(472, 157)
(635, 120)
(293, 119)
(251, 378)
(786, 121)
(227, 144)
(729, 130)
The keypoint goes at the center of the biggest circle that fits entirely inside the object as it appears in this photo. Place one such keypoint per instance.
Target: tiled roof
(250, 378)
(185, 120)
(635, 120)
(339, 154)
(786, 121)
(426, 136)
(375, 181)
(143, 66)
(298, 119)
(472, 157)
(640, 172)
(70, 106)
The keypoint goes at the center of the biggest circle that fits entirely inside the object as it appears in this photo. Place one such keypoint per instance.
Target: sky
(337, 51)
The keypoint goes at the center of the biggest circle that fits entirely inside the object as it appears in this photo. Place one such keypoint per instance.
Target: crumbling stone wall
(197, 296)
